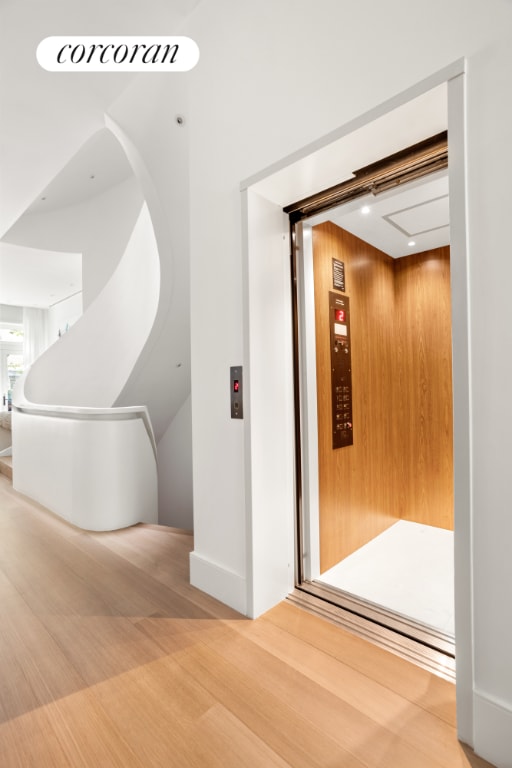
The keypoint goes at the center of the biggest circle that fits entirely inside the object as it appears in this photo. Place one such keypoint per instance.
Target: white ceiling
(402, 221)
(45, 150)
(33, 278)
(98, 165)
(47, 117)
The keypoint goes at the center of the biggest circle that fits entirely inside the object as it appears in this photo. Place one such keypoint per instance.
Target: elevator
(375, 529)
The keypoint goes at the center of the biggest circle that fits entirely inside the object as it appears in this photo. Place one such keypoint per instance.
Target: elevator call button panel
(236, 392)
(341, 370)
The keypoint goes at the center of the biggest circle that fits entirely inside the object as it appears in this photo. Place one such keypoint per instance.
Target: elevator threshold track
(422, 645)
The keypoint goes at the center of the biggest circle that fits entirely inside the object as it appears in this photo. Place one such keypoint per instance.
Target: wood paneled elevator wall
(400, 465)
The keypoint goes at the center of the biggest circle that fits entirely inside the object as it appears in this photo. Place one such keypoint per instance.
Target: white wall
(260, 66)
(175, 498)
(144, 121)
(269, 399)
(99, 351)
(489, 166)
(99, 228)
(11, 314)
(63, 315)
(99, 475)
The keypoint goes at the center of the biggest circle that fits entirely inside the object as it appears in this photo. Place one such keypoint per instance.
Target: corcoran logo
(117, 54)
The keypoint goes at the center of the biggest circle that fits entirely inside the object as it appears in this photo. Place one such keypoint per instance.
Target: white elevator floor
(408, 569)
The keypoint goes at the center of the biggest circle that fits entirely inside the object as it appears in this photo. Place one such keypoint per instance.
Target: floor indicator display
(341, 370)
(236, 392)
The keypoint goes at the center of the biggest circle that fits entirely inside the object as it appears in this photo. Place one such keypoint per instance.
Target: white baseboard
(224, 585)
(492, 730)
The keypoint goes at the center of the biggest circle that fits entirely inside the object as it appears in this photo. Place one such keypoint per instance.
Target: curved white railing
(91, 414)
(95, 467)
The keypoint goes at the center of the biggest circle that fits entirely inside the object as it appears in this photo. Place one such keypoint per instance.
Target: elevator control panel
(341, 370)
(237, 390)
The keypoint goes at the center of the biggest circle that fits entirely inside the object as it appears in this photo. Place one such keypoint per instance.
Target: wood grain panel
(356, 482)
(110, 658)
(424, 370)
(400, 466)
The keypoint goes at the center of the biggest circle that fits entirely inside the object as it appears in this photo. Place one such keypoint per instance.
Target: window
(11, 355)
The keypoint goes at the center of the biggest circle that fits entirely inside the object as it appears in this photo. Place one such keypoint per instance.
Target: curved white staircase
(88, 461)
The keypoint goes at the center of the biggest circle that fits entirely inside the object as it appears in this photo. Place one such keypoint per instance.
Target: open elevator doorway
(374, 338)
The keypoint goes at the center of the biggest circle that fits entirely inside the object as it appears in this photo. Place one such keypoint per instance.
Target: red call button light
(339, 315)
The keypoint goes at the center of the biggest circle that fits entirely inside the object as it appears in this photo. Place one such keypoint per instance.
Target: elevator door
(390, 320)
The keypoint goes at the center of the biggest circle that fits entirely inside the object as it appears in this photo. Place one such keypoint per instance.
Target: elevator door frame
(272, 495)
(412, 163)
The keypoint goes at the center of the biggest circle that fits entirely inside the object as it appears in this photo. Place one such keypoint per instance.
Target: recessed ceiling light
(365, 209)
(411, 243)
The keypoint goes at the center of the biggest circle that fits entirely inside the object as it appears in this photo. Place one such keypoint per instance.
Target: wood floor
(109, 658)
(6, 466)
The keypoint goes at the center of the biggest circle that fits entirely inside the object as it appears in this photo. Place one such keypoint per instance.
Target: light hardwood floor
(108, 657)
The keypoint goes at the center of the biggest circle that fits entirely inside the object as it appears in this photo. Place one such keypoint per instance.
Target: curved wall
(157, 149)
(132, 345)
(97, 471)
(89, 366)
(99, 228)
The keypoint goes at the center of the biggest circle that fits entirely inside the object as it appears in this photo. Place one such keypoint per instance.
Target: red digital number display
(339, 315)
(236, 385)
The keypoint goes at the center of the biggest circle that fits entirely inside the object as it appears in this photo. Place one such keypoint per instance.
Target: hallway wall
(255, 106)
(175, 500)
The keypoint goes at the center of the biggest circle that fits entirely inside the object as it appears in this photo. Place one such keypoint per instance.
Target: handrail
(89, 413)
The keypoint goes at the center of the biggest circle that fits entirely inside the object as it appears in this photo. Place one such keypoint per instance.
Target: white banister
(91, 414)
(96, 468)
